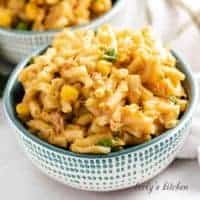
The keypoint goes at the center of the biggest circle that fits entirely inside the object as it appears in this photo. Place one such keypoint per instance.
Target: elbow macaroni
(102, 91)
(50, 14)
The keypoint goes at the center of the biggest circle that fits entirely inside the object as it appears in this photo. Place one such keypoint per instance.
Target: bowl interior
(14, 93)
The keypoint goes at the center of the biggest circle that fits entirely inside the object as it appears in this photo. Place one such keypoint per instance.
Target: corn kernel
(69, 93)
(31, 11)
(5, 18)
(104, 67)
(22, 109)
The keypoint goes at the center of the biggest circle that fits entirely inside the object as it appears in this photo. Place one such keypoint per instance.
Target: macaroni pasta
(50, 14)
(100, 91)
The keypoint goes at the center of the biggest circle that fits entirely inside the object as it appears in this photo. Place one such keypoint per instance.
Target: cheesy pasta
(101, 91)
(50, 14)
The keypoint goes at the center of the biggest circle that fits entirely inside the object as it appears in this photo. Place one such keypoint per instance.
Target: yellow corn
(31, 11)
(5, 18)
(69, 93)
(104, 67)
(22, 109)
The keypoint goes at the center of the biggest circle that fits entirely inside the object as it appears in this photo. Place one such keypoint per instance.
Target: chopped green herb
(31, 61)
(173, 99)
(107, 142)
(23, 26)
(110, 55)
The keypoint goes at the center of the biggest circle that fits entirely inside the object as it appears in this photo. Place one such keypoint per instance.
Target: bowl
(16, 45)
(117, 170)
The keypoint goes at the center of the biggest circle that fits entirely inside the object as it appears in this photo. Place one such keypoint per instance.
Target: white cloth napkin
(191, 148)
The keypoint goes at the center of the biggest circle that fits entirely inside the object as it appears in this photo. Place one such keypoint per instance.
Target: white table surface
(19, 179)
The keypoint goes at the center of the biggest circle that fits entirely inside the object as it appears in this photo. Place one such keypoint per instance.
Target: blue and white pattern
(109, 172)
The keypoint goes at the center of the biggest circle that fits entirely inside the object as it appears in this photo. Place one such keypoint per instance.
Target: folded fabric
(191, 148)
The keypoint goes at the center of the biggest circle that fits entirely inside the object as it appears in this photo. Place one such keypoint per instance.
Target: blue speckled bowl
(114, 171)
(16, 45)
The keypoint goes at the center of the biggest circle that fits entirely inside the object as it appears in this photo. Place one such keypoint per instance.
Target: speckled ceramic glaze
(114, 171)
(16, 45)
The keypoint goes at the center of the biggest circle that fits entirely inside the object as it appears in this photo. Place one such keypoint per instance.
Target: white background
(20, 180)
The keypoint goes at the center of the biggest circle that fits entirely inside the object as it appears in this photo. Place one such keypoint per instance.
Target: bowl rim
(92, 24)
(17, 125)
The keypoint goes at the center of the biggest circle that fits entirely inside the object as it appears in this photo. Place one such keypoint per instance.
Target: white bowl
(117, 170)
(16, 45)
